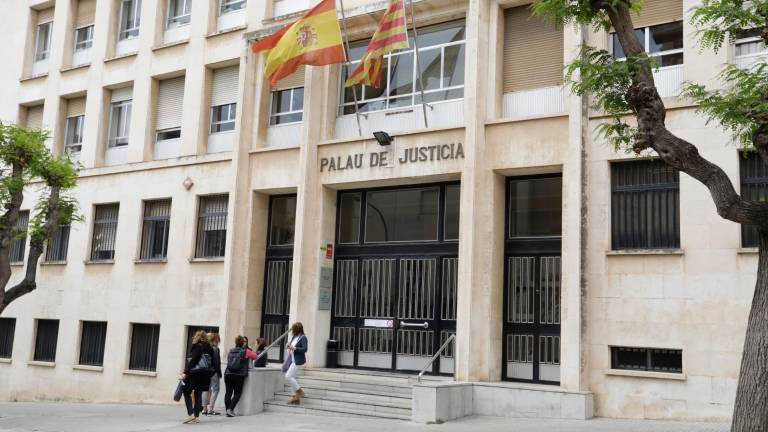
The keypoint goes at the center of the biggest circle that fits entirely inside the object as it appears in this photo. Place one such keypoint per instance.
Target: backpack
(235, 363)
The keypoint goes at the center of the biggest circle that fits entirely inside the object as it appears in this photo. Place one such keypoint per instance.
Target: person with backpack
(235, 374)
(200, 367)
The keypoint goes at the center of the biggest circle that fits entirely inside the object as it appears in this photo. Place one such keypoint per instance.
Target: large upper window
(43, 41)
(282, 222)
(664, 42)
(231, 6)
(535, 207)
(287, 106)
(179, 13)
(119, 122)
(84, 38)
(754, 187)
(441, 56)
(212, 227)
(130, 19)
(104, 232)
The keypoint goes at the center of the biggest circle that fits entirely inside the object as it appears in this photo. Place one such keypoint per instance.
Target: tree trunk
(750, 413)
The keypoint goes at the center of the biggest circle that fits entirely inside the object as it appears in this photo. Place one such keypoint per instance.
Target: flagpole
(346, 75)
(418, 66)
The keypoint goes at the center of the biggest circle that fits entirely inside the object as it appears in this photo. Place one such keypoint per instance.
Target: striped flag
(392, 34)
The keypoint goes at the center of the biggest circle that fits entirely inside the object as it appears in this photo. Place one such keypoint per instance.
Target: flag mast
(418, 66)
(348, 65)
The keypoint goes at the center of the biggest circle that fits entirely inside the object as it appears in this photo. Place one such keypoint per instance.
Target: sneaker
(190, 419)
(230, 413)
(214, 413)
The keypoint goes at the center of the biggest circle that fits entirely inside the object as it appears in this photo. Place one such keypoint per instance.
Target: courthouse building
(214, 200)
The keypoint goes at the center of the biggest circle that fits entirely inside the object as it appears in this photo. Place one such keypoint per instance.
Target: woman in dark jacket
(201, 364)
(297, 349)
(234, 376)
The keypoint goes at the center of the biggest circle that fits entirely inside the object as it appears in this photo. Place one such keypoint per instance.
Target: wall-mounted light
(383, 138)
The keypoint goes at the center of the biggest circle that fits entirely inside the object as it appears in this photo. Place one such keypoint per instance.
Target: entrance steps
(350, 393)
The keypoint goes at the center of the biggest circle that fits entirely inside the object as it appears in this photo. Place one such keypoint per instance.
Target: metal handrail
(437, 354)
(274, 342)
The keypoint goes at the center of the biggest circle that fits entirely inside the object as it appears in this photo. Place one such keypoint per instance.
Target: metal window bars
(104, 232)
(92, 340)
(144, 344)
(212, 226)
(46, 340)
(154, 235)
(58, 245)
(19, 238)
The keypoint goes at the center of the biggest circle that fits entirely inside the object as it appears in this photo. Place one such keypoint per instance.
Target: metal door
(277, 300)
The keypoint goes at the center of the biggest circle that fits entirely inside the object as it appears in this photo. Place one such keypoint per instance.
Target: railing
(274, 342)
(442, 348)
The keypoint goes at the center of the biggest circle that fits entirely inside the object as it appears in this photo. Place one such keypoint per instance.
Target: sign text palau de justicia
(429, 153)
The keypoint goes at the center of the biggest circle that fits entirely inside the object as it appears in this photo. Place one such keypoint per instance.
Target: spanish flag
(314, 39)
(391, 35)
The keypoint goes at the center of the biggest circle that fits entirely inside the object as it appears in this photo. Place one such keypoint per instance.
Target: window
(647, 359)
(104, 232)
(212, 227)
(179, 13)
(93, 337)
(452, 204)
(754, 187)
(84, 38)
(645, 205)
(750, 43)
(402, 215)
(535, 207)
(664, 42)
(282, 221)
(441, 56)
(287, 106)
(349, 217)
(7, 330)
(231, 6)
(130, 19)
(56, 250)
(119, 123)
(19, 242)
(144, 341)
(43, 41)
(73, 141)
(46, 339)
(191, 330)
(223, 118)
(154, 234)
(170, 101)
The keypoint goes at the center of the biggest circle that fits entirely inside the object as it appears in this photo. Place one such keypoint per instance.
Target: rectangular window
(441, 56)
(104, 232)
(154, 234)
(84, 38)
(349, 217)
(92, 340)
(402, 215)
(282, 221)
(170, 101)
(287, 106)
(535, 207)
(19, 242)
(663, 42)
(647, 359)
(179, 13)
(750, 43)
(130, 19)
(45, 340)
(73, 140)
(43, 41)
(212, 227)
(452, 205)
(754, 187)
(7, 331)
(231, 5)
(119, 123)
(56, 249)
(223, 118)
(144, 341)
(645, 205)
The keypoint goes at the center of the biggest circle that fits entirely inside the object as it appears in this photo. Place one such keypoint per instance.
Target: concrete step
(347, 402)
(357, 383)
(280, 406)
(363, 395)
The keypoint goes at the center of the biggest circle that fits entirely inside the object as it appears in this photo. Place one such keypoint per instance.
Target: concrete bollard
(259, 387)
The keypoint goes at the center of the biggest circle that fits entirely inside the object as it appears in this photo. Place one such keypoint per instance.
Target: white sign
(378, 323)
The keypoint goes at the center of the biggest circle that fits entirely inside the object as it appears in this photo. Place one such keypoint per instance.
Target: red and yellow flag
(392, 34)
(314, 39)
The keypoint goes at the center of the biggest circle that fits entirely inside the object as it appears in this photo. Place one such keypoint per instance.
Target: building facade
(496, 212)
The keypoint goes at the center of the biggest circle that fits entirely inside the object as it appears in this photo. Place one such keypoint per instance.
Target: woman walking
(209, 397)
(234, 375)
(297, 349)
(197, 375)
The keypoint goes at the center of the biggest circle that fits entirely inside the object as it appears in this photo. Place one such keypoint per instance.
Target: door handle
(410, 324)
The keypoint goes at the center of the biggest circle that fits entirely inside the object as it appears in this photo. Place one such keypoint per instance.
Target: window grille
(144, 343)
(19, 242)
(73, 141)
(154, 234)
(7, 330)
(84, 38)
(92, 340)
(645, 205)
(104, 232)
(58, 244)
(212, 227)
(130, 19)
(223, 118)
(231, 6)
(647, 359)
(179, 13)
(46, 339)
(754, 187)
(663, 42)
(287, 106)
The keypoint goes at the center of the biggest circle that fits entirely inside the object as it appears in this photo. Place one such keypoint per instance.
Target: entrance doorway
(394, 299)
(532, 274)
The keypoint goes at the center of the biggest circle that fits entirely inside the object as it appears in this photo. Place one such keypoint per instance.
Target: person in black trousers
(234, 375)
(201, 364)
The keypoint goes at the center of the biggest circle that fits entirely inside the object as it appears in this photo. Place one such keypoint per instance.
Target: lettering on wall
(385, 159)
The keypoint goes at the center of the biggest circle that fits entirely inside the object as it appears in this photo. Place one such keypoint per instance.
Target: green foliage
(738, 107)
(719, 21)
(581, 12)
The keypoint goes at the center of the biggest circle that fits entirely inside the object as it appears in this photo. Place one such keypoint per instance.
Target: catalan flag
(314, 39)
(392, 34)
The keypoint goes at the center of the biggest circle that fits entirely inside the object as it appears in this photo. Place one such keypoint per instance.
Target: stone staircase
(349, 393)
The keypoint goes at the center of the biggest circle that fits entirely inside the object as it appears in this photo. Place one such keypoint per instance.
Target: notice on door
(325, 288)
(383, 323)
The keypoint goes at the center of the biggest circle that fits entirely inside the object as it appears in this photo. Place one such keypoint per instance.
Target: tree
(626, 92)
(25, 164)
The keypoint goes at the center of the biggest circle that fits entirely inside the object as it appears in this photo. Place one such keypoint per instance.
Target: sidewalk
(65, 417)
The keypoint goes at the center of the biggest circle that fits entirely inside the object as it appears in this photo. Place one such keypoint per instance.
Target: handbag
(288, 361)
(205, 364)
(179, 390)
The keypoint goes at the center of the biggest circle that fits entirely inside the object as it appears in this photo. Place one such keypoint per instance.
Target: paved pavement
(65, 417)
